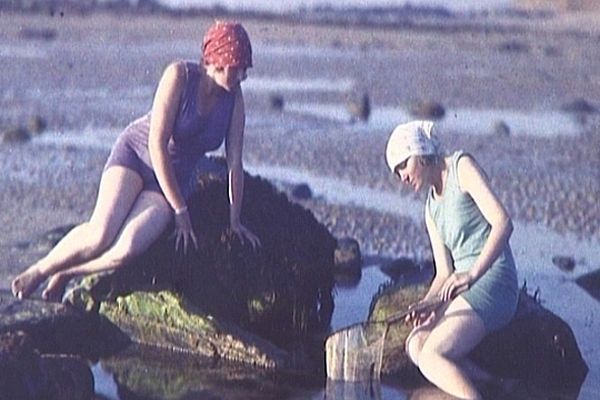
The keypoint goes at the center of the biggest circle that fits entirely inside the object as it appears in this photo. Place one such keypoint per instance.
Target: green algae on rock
(161, 319)
(228, 300)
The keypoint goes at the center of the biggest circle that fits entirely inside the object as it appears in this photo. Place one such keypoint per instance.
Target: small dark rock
(428, 110)
(15, 135)
(359, 108)
(302, 192)
(276, 102)
(347, 257)
(501, 129)
(514, 46)
(36, 125)
(581, 106)
(565, 263)
(399, 267)
(38, 33)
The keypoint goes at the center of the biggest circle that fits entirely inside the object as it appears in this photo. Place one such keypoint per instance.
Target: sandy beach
(98, 72)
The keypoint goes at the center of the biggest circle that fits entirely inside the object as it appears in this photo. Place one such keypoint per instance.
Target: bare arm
(164, 113)
(472, 180)
(441, 258)
(233, 149)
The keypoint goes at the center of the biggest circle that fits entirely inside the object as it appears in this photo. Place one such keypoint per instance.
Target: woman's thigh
(118, 191)
(147, 220)
(457, 332)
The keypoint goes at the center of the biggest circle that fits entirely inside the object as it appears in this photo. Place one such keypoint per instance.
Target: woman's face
(411, 172)
(227, 77)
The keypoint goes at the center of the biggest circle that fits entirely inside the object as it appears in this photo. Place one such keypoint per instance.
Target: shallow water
(352, 305)
(533, 247)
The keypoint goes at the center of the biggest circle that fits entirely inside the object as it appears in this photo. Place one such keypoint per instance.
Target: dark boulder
(25, 374)
(54, 328)
(536, 348)
(280, 292)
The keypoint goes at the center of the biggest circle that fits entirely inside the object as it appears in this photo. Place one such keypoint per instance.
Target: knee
(96, 238)
(413, 346)
(428, 360)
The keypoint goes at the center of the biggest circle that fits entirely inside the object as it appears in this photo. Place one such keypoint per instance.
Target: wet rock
(161, 319)
(36, 125)
(276, 102)
(25, 374)
(359, 108)
(38, 33)
(428, 109)
(565, 263)
(580, 106)
(15, 135)
(54, 328)
(280, 292)
(514, 46)
(591, 283)
(501, 129)
(302, 191)
(347, 257)
(536, 347)
(400, 266)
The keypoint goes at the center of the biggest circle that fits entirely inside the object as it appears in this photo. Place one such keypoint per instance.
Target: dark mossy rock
(58, 328)
(25, 374)
(536, 347)
(281, 292)
(162, 319)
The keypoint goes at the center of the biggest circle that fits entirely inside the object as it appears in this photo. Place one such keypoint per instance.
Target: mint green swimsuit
(464, 231)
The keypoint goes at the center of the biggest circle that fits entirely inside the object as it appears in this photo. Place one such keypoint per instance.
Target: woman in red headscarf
(148, 177)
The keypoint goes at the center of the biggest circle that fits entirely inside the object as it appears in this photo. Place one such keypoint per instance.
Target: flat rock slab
(163, 320)
(58, 328)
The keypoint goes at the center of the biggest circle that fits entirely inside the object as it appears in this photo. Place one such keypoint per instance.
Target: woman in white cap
(475, 272)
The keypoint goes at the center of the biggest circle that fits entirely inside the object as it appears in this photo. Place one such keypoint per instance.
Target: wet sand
(100, 72)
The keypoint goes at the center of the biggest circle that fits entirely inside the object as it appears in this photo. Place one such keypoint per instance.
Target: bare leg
(148, 218)
(119, 188)
(454, 336)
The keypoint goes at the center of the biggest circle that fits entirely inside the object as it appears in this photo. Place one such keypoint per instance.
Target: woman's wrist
(181, 210)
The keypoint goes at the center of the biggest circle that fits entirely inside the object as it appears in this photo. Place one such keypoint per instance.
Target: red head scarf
(226, 43)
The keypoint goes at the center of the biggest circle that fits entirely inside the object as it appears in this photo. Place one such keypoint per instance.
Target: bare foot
(55, 287)
(27, 282)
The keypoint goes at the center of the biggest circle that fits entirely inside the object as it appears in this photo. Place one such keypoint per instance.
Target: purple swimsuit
(193, 136)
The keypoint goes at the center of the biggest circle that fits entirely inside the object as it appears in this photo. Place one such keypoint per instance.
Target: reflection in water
(336, 390)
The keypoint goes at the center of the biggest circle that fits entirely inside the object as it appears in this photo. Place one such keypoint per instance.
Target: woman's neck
(438, 177)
